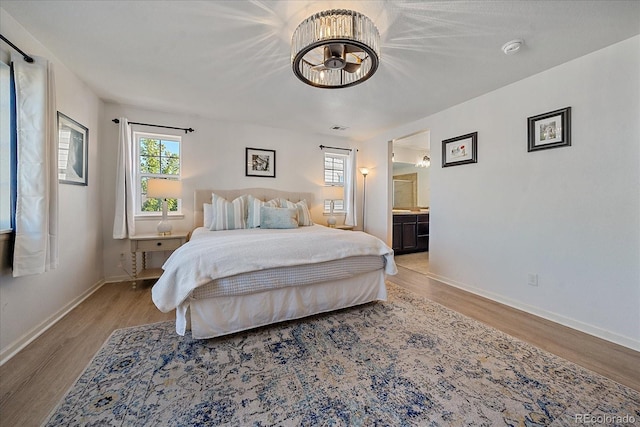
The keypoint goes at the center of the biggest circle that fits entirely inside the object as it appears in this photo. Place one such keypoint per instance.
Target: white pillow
(208, 214)
(304, 216)
(228, 215)
(253, 216)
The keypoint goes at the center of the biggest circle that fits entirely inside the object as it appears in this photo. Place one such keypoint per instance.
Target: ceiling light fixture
(335, 48)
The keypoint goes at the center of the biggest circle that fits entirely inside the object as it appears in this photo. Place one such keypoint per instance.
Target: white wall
(212, 157)
(570, 215)
(29, 304)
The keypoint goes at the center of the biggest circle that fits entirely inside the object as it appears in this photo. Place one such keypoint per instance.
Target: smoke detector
(509, 48)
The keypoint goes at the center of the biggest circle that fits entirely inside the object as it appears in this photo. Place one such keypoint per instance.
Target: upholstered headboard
(204, 196)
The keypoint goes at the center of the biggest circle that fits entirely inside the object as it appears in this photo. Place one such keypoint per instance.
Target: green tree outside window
(158, 158)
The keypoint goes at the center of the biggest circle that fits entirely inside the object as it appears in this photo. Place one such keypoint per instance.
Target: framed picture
(73, 152)
(550, 130)
(460, 150)
(259, 162)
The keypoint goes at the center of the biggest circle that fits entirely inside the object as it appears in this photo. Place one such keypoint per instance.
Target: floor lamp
(364, 172)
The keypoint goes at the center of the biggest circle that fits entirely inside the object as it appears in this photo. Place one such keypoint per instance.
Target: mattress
(280, 277)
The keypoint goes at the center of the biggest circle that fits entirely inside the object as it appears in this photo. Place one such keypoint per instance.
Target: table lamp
(164, 189)
(332, 193)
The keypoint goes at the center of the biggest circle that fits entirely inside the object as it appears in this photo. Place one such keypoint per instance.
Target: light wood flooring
(33, 382)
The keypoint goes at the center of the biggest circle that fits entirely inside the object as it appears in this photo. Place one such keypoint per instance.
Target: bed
(230, 280)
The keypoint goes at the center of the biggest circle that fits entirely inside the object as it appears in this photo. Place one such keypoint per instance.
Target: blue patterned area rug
(403, 362)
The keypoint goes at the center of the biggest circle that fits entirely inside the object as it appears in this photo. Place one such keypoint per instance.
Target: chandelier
(335, 48)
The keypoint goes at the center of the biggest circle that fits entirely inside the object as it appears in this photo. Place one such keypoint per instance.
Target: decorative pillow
(228, 215)
(253, 218)
(278, 217)
(207, 214)
(304, 216)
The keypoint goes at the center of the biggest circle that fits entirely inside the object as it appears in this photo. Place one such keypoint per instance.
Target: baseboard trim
(554, 317)
(116, 279)
(34, 333)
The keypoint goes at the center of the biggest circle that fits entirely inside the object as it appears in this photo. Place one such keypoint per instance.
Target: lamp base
(331, 221)
(164, 228)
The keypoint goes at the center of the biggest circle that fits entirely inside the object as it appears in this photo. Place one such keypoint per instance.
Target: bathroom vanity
(410, 231)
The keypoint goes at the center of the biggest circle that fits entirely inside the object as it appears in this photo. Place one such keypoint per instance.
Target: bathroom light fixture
(335, 48)
(424, 163)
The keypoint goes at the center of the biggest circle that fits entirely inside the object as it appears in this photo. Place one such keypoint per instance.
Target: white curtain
(350, 185)
(36, 221)
(123, 223)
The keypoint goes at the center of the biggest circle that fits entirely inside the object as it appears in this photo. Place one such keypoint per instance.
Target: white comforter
(212, 255)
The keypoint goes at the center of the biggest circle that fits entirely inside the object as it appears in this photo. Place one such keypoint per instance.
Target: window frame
(139, 175)
(339, 205)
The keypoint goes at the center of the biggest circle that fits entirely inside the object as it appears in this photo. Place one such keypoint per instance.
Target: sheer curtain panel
(350, 181)
(123, 222)
(36, 215)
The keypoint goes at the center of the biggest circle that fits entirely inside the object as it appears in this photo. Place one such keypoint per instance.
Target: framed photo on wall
(460, 150)
(259, 162)
(73, 151)
(549, 130)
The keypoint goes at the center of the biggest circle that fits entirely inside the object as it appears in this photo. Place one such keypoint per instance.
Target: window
(158, 156)
(334, 171)
(5, 148)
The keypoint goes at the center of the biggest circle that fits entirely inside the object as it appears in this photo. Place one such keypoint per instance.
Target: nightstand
(152, 243)
(344, 227)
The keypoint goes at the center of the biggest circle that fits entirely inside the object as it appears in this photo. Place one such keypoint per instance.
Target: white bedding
(211, 255)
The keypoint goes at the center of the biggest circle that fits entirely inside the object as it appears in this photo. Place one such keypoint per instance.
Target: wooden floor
(34, 381)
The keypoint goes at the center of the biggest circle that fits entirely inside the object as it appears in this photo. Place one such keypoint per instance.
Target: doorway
(411, 207)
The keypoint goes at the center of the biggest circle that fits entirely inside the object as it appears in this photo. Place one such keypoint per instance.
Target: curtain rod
(24, 55)
(186, 130)
(322, 147)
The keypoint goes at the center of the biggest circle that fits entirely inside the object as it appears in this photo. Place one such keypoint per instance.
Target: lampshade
(335, 48)
(333, 192)
(164, 189)
(364, 171)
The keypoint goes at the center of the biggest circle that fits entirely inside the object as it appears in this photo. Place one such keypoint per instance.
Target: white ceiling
(230, 60)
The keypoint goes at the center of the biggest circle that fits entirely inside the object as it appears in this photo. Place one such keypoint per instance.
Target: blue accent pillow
(278, 217)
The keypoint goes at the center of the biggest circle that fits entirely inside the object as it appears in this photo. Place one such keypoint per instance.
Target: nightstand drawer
(159, 244)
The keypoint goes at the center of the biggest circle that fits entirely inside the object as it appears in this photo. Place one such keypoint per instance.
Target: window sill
(157, 217)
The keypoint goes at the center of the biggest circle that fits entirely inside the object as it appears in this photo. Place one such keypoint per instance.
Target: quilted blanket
(212, 255)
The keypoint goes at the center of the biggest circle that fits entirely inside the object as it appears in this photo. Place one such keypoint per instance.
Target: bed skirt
(213, 317)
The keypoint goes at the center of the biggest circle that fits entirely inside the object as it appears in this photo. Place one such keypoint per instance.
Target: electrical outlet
(532, 279)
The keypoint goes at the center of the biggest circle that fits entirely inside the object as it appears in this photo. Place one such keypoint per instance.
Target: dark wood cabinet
(410, 233)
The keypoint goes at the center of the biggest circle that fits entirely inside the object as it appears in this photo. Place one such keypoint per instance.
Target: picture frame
(73, 151)
(549, 130)
(260, 162)
(460, 150)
